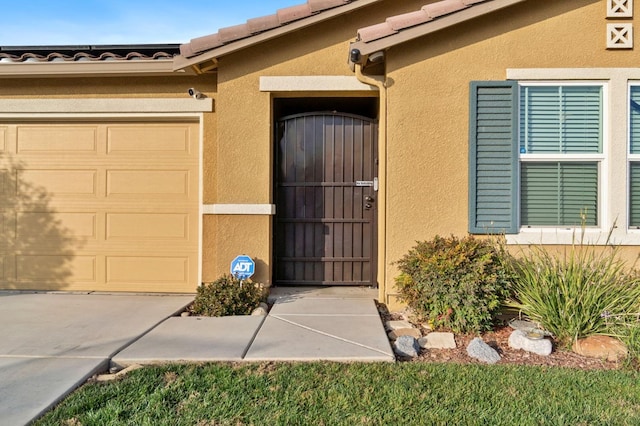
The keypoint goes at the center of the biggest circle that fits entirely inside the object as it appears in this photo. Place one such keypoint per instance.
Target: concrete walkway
(52, 343)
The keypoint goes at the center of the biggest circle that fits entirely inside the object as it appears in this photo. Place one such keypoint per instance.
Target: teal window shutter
(493, 157)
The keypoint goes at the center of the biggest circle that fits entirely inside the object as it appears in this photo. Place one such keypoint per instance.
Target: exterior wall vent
(619, 36)
(619, 8)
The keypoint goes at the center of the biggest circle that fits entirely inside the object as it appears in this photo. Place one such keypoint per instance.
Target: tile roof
(427, 13)
(431, 17)
(258, 25)
(43, 54)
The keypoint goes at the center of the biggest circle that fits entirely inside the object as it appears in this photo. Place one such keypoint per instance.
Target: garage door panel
(59, 182)
(50, 228)
(56, 268)
(99, 207)
(5, 185)
(69, 140)
(8, 230)
(165, 270)
(148, 226)
(5, 229)
(157, 141)
(3, 139)
(154, 183)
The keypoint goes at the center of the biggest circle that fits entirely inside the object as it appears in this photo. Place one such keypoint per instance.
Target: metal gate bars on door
(326, 182)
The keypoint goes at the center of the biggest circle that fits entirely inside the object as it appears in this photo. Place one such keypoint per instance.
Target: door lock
(369, 199)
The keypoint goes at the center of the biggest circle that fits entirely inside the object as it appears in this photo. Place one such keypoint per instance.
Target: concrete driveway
(51, 343)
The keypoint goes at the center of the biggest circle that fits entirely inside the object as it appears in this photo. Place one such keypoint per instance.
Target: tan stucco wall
(245, 120)
(105, 87)
(429, 101)
(427, 124)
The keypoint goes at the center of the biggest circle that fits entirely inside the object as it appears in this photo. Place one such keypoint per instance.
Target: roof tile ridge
(444, 7)
(57, 55)
(394, 24)
(258, 25)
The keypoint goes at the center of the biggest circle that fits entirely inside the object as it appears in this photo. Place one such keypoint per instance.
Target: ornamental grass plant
(575, 293)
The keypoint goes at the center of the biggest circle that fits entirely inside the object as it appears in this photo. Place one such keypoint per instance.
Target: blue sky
(91, 22)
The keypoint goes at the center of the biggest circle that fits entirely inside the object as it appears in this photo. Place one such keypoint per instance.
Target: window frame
(631, 158)
(615, 177)
(599, 158)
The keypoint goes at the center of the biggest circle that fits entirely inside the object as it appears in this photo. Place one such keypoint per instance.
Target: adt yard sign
(243, 267)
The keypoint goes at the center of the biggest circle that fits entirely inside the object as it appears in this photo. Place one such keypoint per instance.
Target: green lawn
(354, 394)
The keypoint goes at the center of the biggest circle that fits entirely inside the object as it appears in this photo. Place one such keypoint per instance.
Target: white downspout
(379, 82)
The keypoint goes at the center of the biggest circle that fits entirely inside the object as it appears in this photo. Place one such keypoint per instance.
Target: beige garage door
(104, 207)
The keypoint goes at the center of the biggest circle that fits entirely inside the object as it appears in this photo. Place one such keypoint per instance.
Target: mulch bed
(498, 339)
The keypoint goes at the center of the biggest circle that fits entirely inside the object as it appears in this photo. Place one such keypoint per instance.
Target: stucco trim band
(105, 105)
(331, 83)
(239, 209)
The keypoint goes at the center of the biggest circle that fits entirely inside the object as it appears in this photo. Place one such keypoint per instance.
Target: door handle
(368, 206)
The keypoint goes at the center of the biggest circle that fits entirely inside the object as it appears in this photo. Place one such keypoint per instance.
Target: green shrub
(454, 283)
(574, 293)
(227, 296)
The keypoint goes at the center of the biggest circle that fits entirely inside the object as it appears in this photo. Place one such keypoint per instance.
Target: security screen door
(326, 182)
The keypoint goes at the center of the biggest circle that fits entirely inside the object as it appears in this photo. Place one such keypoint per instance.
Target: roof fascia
(90, 69)
(180, 62)
(432, 26)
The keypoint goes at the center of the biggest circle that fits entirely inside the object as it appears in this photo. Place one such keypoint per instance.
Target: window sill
(568, 236)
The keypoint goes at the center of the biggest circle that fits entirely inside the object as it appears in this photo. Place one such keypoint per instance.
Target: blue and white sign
(243, 267)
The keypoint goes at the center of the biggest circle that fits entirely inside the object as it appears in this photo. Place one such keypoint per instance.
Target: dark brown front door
(326, 182)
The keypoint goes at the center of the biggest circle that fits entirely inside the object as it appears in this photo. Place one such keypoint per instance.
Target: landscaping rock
(185, 314)
(438, 340)
(479, 350)
(396, 325)
(603, 347)
(406, 346)
(527, 327)
(426, 326)
(522, 325)
(519, 340)
(262, 309)
(116, 375)
(413, 332)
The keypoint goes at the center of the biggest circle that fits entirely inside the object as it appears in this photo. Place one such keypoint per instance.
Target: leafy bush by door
(459, 284)
(228, 296)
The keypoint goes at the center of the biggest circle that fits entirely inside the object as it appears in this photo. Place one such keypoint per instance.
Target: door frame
(375, 160)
